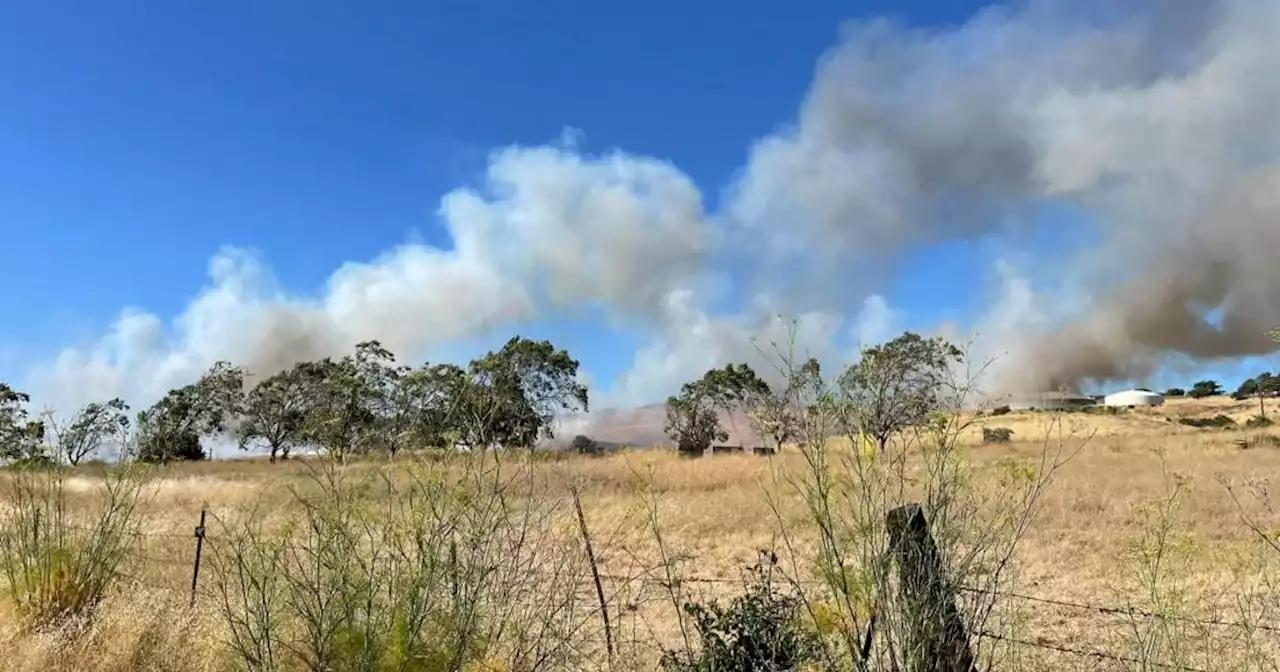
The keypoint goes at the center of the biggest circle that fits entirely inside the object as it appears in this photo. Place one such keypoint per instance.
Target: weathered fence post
(595, 573)
(934, 637)
(195, 572)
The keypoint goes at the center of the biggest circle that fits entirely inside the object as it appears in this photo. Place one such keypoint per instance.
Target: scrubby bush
(588, 446)
(57, 567)
(1258, 422)
(997, 435)
(761, 629)
(1001, 410)
(1218, 421)
(438, 567)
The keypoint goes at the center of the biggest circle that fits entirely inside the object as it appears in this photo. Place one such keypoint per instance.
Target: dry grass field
(1139, 515)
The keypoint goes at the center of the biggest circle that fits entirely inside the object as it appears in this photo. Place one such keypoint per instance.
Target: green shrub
(997, 435)
(430, 569)
(1217, 421)
(761, 630)
(58, 567)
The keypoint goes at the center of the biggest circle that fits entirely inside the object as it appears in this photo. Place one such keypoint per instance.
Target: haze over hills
(643, 426)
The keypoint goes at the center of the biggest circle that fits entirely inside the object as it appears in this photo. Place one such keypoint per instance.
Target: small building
(1050, 401)
(1132, 398)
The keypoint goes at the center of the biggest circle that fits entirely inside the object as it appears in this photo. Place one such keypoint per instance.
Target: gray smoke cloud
(1153, 121)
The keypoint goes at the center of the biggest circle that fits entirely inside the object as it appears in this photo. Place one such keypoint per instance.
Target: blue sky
(136, 138)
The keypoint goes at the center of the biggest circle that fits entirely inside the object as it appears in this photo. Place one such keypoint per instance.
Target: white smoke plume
(1153, 120)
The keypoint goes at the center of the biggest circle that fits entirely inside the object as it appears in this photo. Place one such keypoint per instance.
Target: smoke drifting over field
(1154, 123)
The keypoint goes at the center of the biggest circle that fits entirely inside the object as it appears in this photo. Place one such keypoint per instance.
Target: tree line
(359, 404)
(366, 403)
(892, 387)
(1265, 384)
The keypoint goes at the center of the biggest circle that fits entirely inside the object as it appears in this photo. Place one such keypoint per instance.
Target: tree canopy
(359, 404)
(20, 437)
(1205, 388)
(93, 426)
(691, 419)
(897, 384)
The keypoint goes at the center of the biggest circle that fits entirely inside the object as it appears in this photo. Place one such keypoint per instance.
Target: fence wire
(1038, 642)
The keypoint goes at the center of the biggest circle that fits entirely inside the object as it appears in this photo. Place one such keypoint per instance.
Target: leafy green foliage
(434, 393)
(419, 582)
(585, 445)
(521, 388)
(354, 405)
(1261, 386)
(172, 428)
(772, 411)
(692, 421)
(93, 426)
(57, 567)
(346, 396)
(760, 630)
(21, 439)
(1175, 392)
(1205, 388)
(275, 413)
(897, 384)
(997, 435)
(735, 387)
(1217, 421)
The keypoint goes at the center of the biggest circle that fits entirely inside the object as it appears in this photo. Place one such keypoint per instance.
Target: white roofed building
(1132, 398)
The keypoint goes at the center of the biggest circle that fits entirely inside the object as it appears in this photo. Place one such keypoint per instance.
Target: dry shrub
(852, 487)
(58, 564)
(440, 566)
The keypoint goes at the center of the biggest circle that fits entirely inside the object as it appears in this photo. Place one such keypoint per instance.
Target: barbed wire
(741, 581)
(1086, 653)
(657, 576)
(1119, 611)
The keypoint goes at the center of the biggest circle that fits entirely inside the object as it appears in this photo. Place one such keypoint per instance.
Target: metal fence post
(195, 572)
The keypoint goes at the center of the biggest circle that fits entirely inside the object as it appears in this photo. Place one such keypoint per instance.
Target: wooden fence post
(934, 637)
(195, 571)
(595, 573)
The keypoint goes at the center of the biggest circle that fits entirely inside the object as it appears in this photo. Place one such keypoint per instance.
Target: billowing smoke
(1153, 124)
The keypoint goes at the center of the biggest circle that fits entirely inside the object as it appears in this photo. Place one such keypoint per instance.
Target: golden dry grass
(718, 510)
